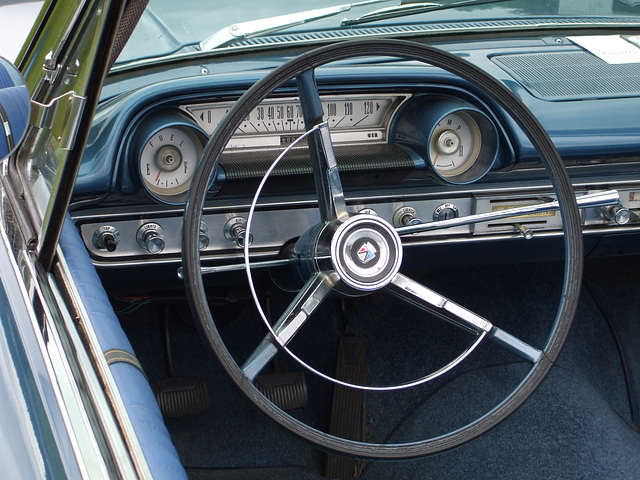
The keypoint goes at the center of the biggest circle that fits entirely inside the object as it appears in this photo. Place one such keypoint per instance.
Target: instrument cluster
(457, 140)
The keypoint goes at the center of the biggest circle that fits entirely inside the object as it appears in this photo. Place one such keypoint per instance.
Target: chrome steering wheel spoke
(323, 160)
(432, 302)
(294, 317)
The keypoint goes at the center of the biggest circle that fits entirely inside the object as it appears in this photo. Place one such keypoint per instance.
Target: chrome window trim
(62, 385)
(112, 401)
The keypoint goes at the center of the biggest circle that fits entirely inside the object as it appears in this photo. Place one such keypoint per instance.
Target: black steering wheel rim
(561, 184)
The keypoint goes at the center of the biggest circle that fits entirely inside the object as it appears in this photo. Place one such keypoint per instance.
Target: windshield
(169, 27)
(16, 19)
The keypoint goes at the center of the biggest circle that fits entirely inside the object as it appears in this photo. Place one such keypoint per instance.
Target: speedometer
(352, 119)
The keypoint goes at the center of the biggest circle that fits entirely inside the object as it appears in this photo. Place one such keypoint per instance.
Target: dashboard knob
(106, 238)
(405, 216)
(236, 230)
(616, 213)
(203, 238)
(241, 238)
(527, 233)
(150, 236)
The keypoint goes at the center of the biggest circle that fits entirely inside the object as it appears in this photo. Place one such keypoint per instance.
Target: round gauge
(168, 161)
(454, 144)
(459, 141)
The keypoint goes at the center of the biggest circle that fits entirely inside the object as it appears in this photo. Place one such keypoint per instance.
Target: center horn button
(366, 252)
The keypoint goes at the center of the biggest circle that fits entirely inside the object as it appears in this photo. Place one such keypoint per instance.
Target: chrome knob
(106, 238)
(236, 230)
(150, 236)
(203, 238)
(405, 216)
(527, 233)
(616, 213)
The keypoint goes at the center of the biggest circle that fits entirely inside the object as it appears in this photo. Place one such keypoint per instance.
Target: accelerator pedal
(347, 411)
(181, 396)
(288, 390)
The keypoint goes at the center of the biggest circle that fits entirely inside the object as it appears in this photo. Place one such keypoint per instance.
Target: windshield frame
(431, 32)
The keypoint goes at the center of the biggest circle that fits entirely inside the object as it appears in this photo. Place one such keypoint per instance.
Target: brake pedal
(288, 390)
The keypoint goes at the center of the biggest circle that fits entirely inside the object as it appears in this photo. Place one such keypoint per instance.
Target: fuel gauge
(462, 145)
(168, 161)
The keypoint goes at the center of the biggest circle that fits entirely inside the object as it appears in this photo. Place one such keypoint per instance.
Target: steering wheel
(358, 254)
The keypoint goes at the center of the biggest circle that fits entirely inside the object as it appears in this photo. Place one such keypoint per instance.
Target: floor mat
(575, 426)
(565, 430)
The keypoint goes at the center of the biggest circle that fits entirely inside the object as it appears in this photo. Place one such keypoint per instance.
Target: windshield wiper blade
(405, 9)
(239, 31)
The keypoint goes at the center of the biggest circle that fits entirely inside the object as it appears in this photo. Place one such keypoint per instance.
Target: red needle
(158, 177)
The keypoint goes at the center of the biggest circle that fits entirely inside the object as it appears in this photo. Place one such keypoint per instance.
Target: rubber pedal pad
(181, 396)
(347, 410)
(288, 390)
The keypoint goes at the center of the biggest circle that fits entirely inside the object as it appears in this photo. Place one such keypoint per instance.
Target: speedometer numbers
(352, 119)
(168, 161)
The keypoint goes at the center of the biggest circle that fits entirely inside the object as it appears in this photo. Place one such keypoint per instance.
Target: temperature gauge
(459, 140)
(454, 144)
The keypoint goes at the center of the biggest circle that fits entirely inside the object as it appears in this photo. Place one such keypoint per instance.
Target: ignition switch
(445, 212)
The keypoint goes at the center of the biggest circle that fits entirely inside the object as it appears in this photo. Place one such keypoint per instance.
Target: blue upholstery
(5, 78)
(4, 147)
(138, 399)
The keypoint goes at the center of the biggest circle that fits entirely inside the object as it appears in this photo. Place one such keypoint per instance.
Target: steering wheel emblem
(367, 252)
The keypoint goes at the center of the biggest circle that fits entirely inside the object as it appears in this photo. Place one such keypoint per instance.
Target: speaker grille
(571, 75)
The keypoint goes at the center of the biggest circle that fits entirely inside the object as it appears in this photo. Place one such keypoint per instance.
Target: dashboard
(413, 143)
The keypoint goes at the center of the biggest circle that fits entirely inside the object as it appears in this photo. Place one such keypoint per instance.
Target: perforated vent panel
(571, 75)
